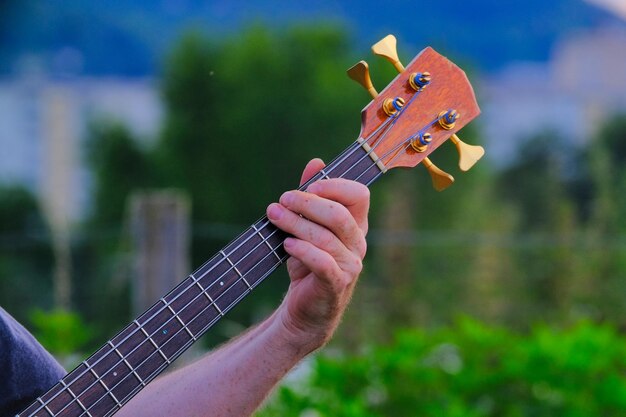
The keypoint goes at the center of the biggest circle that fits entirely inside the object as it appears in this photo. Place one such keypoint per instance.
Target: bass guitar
(424, 106)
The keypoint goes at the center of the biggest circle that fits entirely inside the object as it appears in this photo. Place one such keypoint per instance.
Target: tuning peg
(360, 73)
(386, 47)
(468, 154)
(441, 179)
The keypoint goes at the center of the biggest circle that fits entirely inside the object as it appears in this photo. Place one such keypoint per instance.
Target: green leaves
(470, 370)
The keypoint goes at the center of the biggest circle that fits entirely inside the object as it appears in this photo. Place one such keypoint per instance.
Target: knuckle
(326, 240)
(362, 248)
(363, 193)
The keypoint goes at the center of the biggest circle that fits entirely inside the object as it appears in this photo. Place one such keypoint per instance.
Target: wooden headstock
(426, 104)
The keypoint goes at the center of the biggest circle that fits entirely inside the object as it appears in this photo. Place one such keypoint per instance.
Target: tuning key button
(360, 73)
(441, 179)
(386, 47)
(468, 154)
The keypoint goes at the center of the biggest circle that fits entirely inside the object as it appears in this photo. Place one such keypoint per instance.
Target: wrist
(296, 337)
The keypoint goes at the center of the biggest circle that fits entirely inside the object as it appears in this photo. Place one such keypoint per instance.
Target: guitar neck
(108, 379)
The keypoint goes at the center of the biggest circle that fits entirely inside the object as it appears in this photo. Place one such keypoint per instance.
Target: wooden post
(160, 240)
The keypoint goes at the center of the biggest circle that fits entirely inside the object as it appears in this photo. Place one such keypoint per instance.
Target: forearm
(231, 381)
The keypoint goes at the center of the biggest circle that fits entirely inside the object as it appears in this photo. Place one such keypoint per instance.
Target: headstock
(426, 104)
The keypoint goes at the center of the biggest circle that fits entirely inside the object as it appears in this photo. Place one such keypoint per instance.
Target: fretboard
(104, 382)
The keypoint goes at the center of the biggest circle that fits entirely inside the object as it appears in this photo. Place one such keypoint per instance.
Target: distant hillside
(129, 37)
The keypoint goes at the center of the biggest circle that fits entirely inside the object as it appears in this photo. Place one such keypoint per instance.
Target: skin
(328, 224)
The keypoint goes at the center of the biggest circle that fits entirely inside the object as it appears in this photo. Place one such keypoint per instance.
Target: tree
(26, 255)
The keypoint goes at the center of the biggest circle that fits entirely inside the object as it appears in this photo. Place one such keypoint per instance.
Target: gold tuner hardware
(441, 179)
(360, 73)
(386, 47)
(422, 141)
(392, 106)
(419, 80)
(447, 119)
(468, 154)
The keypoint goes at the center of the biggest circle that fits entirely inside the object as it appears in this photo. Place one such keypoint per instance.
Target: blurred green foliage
(468, 369)
(63, 333)
(25, 255)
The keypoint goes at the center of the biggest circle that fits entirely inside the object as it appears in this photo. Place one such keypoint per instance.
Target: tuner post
(393, 106)
(419, 80)
(420, 144)
(447, 119)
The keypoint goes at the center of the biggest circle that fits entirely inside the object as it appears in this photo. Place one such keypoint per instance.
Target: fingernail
(287, 198)
(288, 243)
(314, 188)
(274, 211)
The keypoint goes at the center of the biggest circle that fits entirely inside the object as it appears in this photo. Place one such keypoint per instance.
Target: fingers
(318, 261)
(312, 168)
(352, 195)
(325, 223)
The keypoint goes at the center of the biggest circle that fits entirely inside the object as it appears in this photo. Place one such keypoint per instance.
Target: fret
(265, 241)
(175, 314)
(246, 252)
(151, 366)
(241, 276)
(85, 385)
(206, 268)
(219, 279)
(76, 400)
(176, 343)
(324, 174)
(156, 347)
(127, 340)
(182, 299)
(132, 370)
(214, 304)
(123, 379)
(35, 410)
(209, 298)
(234, 292)
(106, 388)
(63, 400)
(45, 406)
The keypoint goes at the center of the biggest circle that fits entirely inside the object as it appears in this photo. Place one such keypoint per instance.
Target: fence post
(160, 240)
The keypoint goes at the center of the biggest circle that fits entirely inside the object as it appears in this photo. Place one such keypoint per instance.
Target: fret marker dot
(114, 373)
(222, 283)
(165, 331)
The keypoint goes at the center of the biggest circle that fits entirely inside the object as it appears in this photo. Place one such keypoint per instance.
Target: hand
(328, 224)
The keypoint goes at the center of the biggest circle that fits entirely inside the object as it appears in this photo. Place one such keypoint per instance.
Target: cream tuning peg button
(360, 73)
(386, 47)
(468, 154)
(441, 179)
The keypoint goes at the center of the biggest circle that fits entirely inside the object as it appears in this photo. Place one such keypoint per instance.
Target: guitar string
(89, 367)
(349, 152)
(189, 341)
(233, 303)
(182, 329)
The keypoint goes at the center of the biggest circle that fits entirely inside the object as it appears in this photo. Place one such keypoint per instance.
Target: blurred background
(133, 129)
